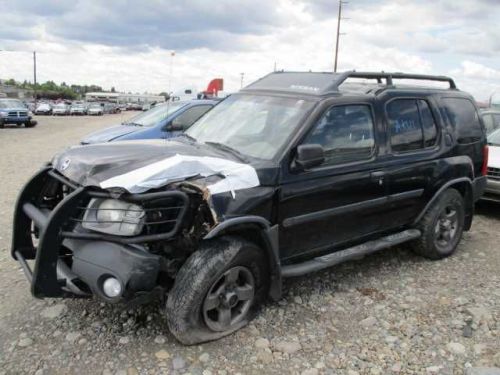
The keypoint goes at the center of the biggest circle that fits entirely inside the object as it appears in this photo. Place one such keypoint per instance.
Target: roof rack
(388, 77)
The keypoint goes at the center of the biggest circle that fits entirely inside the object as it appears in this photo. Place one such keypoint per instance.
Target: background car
(61, 109)
(13, 111)
(163, 121)
(492, 192)
(43, 109)
(78, 109)
(110, 108)
(491, 119)
(95, 109)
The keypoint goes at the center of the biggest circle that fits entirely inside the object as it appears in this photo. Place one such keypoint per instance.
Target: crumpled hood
(108, 134)
(137, 166)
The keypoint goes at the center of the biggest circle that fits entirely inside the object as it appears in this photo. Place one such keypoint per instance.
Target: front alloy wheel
(217, 290)
(229, 299)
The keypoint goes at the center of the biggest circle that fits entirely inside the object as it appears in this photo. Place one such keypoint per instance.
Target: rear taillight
(484, 167)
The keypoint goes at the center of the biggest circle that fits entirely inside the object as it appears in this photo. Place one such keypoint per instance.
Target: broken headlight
(113, 216)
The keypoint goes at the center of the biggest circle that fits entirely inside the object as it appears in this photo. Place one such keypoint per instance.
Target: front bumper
(75, 264)
(16, 120)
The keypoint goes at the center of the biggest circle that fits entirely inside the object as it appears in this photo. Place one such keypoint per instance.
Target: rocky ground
(390, 313)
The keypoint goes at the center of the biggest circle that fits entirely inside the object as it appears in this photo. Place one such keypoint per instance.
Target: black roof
(324, 83)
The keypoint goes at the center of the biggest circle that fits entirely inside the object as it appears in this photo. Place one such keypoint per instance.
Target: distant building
(116, 97)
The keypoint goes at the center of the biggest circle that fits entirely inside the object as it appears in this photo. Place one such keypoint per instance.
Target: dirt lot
(389, 313)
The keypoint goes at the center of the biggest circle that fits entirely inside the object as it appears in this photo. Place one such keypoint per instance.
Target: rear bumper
(74, 264)
(492, 190)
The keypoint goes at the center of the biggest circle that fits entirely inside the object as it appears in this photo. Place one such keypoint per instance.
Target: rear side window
(428, 124)
(412, 125)
(464, 118)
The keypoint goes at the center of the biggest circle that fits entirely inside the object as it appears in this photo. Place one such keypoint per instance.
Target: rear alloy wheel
(441, 226)
(217, 290)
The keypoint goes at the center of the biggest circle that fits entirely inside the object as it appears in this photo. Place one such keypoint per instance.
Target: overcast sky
(127, 44)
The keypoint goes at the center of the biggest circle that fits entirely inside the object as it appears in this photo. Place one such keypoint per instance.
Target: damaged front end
(86, 240)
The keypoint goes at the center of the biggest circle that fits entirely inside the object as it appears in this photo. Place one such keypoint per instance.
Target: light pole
(34, 76)
(34, 71)
(172, 54)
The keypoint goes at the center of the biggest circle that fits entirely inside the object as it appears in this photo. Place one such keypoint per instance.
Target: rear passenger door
(413, 142)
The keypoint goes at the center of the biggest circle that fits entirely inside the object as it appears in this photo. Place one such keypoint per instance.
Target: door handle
(378, 176)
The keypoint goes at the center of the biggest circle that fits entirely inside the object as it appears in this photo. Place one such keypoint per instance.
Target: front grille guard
(44, 277)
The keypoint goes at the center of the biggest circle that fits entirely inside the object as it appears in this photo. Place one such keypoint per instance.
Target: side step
(350, 253)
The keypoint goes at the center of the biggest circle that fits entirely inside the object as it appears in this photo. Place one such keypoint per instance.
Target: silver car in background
(60, 109)
(492, 192)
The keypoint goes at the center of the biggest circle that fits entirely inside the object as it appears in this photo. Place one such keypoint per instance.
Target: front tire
(441, 226)
(217, 290)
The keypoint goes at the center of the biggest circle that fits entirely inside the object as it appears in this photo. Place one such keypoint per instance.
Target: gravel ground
(389, 313)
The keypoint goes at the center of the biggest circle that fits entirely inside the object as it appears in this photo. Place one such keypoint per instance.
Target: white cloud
(441, 36)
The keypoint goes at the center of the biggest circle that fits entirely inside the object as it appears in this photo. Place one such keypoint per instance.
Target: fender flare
(437, 194)
(269, 235)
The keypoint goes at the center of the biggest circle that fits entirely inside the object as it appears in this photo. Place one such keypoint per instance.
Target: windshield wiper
(229, 149)
(131, 123)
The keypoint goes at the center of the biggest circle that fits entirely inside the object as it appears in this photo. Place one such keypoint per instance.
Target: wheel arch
(464, 186)
(258, 230)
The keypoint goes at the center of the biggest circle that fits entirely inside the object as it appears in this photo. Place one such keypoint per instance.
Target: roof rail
(388, 77)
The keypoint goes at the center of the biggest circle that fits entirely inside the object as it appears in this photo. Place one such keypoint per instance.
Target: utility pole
(172, 54)
(34, 75)
(338, 35)
(242, 75)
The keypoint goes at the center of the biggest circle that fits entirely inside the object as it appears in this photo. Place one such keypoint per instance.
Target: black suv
(295, 173)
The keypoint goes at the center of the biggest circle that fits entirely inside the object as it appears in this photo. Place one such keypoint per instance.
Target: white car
(60, 109)
(492, 191)
(43, 109)
(95, 110)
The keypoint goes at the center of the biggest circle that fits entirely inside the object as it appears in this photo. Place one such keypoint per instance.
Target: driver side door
(341, 201)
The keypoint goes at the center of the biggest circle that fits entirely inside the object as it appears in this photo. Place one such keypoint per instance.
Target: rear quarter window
(464, 118)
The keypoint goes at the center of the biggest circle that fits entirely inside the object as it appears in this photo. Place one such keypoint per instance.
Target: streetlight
(172, 54)
(34, 70)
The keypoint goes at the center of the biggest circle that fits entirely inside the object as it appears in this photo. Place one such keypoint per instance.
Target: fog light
(112, 287)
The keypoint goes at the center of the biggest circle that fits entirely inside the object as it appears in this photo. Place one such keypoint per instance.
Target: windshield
(11, 103)
(494, 138)
(155, 115)
(60, 106)
(93, 106)
(256, 126)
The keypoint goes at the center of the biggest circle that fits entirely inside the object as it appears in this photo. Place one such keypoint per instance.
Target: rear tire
(217, 290)
(441, 226)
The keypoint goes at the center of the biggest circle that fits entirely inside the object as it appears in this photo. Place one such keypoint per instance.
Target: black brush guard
(51, 277)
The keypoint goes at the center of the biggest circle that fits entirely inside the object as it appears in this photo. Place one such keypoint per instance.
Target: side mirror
(309, 156)
(174, 126)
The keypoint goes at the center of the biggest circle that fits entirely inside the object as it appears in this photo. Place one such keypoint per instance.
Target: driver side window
(345, 133)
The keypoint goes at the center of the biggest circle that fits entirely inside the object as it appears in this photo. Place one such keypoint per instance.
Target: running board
(350, 253)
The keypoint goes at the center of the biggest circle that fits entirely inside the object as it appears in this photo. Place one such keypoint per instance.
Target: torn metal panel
(180, 167)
